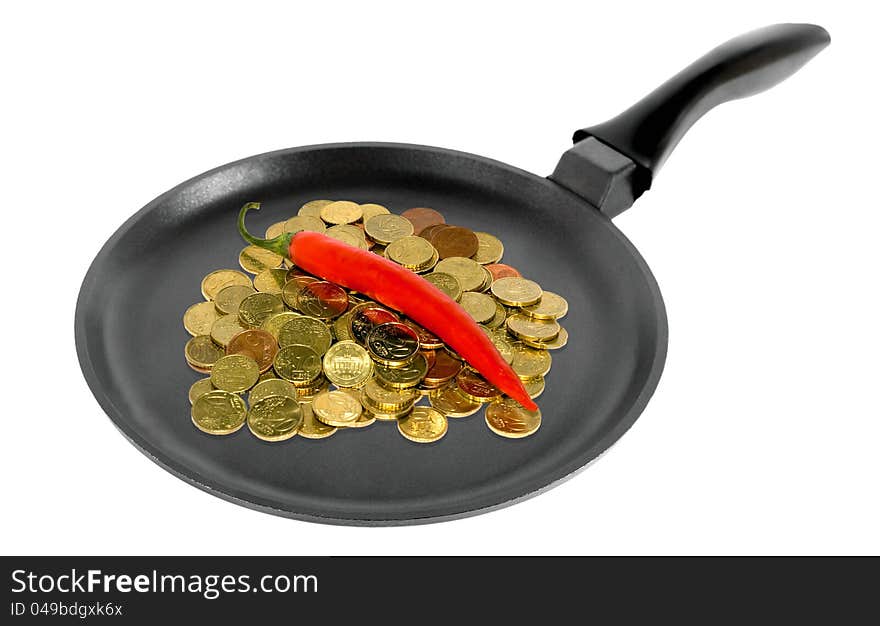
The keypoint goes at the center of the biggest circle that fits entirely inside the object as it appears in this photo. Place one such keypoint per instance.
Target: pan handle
(613, 163)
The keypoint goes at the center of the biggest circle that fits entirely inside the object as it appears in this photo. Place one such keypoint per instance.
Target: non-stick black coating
(130, 337)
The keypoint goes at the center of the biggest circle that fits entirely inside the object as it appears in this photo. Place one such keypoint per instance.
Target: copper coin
(475, 387)
(430, 231)
(431, 357)
(322, 300)
(393, 344)
(502, 270)
(444, 368)
(422, 217)
(260, 345)
(427, 339)
(365, 319)
(455, 241)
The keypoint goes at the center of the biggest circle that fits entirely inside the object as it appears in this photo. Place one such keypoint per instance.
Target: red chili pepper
(400, 289)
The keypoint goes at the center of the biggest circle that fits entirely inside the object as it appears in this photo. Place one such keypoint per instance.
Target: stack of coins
(290, 354)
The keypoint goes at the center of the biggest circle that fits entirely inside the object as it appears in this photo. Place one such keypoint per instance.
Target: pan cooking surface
(130, 336)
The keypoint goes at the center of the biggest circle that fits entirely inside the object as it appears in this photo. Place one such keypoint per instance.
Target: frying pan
(557, 229)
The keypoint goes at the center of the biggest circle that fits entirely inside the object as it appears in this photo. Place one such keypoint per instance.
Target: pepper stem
(278, 245)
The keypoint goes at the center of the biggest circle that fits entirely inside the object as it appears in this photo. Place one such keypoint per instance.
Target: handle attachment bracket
(613, 163)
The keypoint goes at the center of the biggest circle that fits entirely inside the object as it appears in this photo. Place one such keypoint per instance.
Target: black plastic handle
(647, 132)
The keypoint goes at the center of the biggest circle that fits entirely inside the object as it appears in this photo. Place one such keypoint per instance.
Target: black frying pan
(128, 317)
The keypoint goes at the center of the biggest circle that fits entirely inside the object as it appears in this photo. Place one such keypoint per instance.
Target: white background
(762, 230)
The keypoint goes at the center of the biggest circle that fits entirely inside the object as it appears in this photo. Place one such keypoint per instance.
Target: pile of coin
(290, 354)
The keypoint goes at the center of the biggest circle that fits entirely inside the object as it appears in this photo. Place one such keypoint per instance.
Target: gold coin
(321, 299)
(235, 373)
(345, 237)
(372, 210)
(452, 403)
(307, 331)
(271, 280)
(388, 400)
(525, 327)
(201, 353)
(275, 418)
(499, 318)
(403, 377)
(219, 413)
(479, 306)
(490, 249)
(554, 344)
(350, 234)
(534, 387)
(306, 394)
(411, 252)
(423, 425)
(229, 298)
(336, 408)
(502, 343)
(351, 229)
(291, 288)
(394, 344)
(378, 414)
(275, 230)
(298, 364)
(508, 418)
(447, 283)
(347, 364)
(275, 323)
(218, 279)
(551, 306)
(199, 318)
(468, 272)
(515, 291)
(388, 416)
(258, 307)
(271, 387)
(225, 328)
(427, 267)
(313, 208)
(366, 418)
(199, 388)
(341, 327)
(387, 228)
(269, 374)
(255, 259)
(529, 363)
(301, 222)
(341, 212)
(311, 427)
(487, 280)
(354, 393)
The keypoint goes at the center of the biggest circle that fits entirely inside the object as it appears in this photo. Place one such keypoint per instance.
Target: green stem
(278, 245)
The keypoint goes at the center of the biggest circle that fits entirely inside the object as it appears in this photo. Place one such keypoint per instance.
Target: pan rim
(192, 477)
